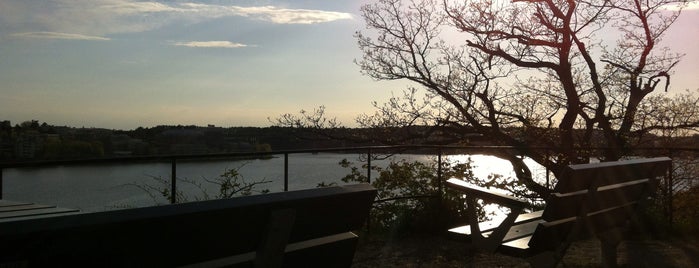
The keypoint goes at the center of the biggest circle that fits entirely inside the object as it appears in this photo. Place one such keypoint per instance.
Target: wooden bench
(12, 211)
(307, 228)
(599, 199)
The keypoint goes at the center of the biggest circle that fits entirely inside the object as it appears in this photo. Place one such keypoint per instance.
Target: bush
(410, 197)
(686, 211)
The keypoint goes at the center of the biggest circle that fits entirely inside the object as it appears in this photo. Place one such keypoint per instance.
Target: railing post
(173, 181)
(548, 171)
(368, 165)
(1, 182)
(439, 172)
(368, 180)
(670, 192)
(286, 172)
(440, 200)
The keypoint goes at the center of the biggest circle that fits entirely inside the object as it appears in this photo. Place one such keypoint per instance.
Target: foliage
(410, 197)
(306, 119)
(230, 184)
(54, 148)
(686, 211)
(667, 117)
(677, 201)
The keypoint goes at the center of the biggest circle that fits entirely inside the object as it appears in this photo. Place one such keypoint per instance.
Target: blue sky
(123, 64)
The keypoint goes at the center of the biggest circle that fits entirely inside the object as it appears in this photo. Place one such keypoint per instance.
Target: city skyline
(121, 64)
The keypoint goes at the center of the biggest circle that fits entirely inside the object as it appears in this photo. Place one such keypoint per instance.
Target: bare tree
(528, 73)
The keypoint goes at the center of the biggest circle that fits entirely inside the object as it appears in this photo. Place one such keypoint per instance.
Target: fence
(684, 173)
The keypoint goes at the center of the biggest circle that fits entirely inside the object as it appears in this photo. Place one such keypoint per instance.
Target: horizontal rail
(169, 158)
(405, 197)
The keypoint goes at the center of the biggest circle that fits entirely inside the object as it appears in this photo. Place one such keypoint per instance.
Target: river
(112, 186)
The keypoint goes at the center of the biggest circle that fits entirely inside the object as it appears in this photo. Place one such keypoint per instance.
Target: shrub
(410, 196)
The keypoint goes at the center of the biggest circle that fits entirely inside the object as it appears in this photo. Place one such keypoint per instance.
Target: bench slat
(561, 206)
(580, 177)
(35, 212)
(22, 207)
(490, 225)
(521, 230)
(517, 247)
(487, 195)
(7, 203)
(550, 234)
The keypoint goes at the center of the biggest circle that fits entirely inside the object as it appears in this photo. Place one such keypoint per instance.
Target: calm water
(106, 187)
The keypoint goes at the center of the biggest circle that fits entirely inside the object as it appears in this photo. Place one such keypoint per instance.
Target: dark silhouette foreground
(308, 228)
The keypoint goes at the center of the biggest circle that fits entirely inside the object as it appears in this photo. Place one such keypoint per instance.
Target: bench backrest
(182, 234)
(594, 198)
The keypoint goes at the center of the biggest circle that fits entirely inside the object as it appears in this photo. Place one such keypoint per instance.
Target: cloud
(263, 13)
(211, 44)
(55, 35)
(290, 16)
(105, 17)
(129, 7)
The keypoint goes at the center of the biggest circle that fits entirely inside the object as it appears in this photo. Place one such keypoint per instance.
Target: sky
(122, 64)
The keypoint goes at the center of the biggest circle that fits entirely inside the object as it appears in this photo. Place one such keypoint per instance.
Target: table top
(15, 210)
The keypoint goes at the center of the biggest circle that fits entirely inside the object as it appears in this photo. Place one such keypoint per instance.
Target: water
(107, 187)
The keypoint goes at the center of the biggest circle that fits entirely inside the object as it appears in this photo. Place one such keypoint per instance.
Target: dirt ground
(434, 251)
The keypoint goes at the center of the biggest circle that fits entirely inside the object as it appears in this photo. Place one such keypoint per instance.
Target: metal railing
(370, 151)
(174, 159)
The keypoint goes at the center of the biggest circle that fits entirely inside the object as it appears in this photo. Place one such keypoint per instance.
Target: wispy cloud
(105, 17)
(264, 13)
(290, 16)
(211, 44)
(131, 7)
(55, 35)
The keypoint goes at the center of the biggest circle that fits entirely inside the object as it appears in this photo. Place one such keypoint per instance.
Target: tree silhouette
(562, 74)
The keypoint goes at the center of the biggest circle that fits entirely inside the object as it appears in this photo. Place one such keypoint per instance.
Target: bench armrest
(472, 192)
(485, 194)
